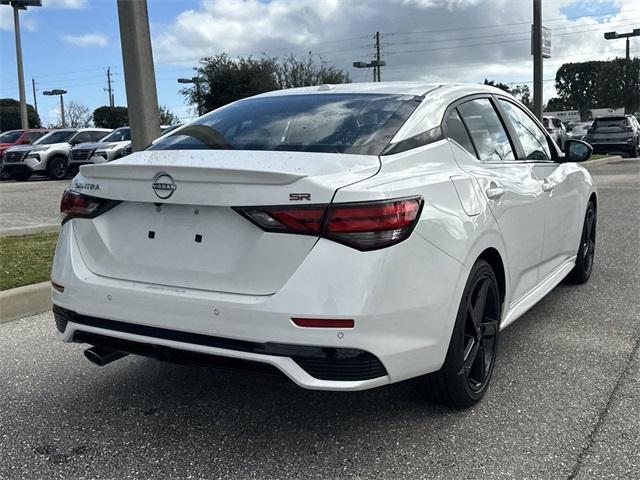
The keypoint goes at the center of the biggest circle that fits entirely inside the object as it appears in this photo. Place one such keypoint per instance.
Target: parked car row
(58, 153)
(611, 134)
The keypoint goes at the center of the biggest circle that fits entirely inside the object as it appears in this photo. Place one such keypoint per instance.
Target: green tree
(501, 86)
(111, 117)
(291, 72)
(600, 84)
(523, 93)
(557, 104)
(167, 117)
(10, 115)
(226, 80)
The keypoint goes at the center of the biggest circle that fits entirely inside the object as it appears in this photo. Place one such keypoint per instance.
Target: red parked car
(18, 137)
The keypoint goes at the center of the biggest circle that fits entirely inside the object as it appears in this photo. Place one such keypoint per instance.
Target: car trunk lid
(175, 225)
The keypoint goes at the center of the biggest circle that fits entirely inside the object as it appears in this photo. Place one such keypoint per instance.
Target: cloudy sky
(70, 43)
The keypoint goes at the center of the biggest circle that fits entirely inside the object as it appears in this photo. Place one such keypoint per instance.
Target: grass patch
(599, 155)
(26, 259)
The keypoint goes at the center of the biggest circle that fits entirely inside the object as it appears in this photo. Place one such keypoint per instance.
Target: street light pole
(24, 119)
(376, 64)
(197, 83)
(20, 5)
(627, 36)
(60, 92)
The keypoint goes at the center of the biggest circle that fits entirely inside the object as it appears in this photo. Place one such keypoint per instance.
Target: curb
(601, 161)
(17, 231)
(23, 301)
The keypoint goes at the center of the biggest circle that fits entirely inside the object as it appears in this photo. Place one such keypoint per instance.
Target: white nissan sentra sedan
(350, 236)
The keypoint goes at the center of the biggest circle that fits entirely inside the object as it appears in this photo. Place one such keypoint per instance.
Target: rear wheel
(57, 168)
(586, 252)
(465, 375)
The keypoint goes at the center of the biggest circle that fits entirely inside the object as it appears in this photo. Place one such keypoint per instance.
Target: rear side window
(33, 136)
(488, 135)
(532, 138)
(334, 123)
(454, 129)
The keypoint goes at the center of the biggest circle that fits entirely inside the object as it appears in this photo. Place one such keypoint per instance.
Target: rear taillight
(77, 205)
(364, 226)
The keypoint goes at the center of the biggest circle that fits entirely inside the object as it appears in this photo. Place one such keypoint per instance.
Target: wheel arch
(494, 259)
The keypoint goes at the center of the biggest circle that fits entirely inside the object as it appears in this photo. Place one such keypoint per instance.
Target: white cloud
(66, 4)
(87, 40)
(6, 20)
(341, 31)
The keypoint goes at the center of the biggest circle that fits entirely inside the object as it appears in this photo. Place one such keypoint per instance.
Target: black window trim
(492, 101)
(511, 134)
(503, 114)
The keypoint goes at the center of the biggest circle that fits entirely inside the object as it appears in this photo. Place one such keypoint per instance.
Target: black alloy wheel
(586, 252)
(463, 379)
(57, 168)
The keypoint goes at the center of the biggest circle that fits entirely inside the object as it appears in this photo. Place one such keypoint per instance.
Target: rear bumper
(403, 300)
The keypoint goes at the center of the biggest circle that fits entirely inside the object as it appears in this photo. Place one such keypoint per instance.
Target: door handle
(494, 192)
(548, 185)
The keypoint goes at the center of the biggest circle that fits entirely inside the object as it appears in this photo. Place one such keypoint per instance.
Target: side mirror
(577, 150)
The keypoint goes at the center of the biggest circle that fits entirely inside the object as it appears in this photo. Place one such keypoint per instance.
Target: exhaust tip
(102, 356)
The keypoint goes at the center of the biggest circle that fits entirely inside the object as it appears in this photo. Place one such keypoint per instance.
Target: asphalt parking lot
(564, 401)
(27, 204)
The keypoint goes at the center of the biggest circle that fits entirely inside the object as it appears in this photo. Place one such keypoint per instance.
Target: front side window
(455, 129)
(334, 123)
(83, 137)
(57, 136)
(122, 134)
(96, 135)
(532, 138)
(488, 135)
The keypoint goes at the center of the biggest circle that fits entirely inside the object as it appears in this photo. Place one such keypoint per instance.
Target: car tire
(57, 168)
(464, 377)
(4, 175)
(20, 176)
(586, 252)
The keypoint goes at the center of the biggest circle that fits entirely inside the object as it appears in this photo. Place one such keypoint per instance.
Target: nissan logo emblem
(164, 185)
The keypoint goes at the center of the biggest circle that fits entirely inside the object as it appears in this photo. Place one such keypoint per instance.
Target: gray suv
(107, 149)
(49, 154)
(620, 133)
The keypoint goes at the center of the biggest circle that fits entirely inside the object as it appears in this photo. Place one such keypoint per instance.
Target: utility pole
(111, 103)
(375, 64)
(139, 75)
(537, 58)
(377, 68)
(35, 101)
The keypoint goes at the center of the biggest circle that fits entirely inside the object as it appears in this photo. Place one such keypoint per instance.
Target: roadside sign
(546, 42)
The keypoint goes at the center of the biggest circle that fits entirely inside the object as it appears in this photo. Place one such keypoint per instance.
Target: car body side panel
(565, 204)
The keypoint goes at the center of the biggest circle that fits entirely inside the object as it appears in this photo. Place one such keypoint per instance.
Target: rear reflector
(57, 286)
(364, 226)
(77, 205)
(323, 322)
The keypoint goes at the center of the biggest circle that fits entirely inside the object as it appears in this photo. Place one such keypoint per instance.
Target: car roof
(390, 88)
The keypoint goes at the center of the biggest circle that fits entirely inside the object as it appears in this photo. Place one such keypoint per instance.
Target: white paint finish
(403, 298)
(568, 187)
(519, 212)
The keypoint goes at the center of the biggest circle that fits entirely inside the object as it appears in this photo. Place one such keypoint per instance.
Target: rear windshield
(122, 134)
(57, 136)
(610, 122)
(338, 123)
(10, 137)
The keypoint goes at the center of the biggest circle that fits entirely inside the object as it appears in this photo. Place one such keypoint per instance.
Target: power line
(498, 25)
